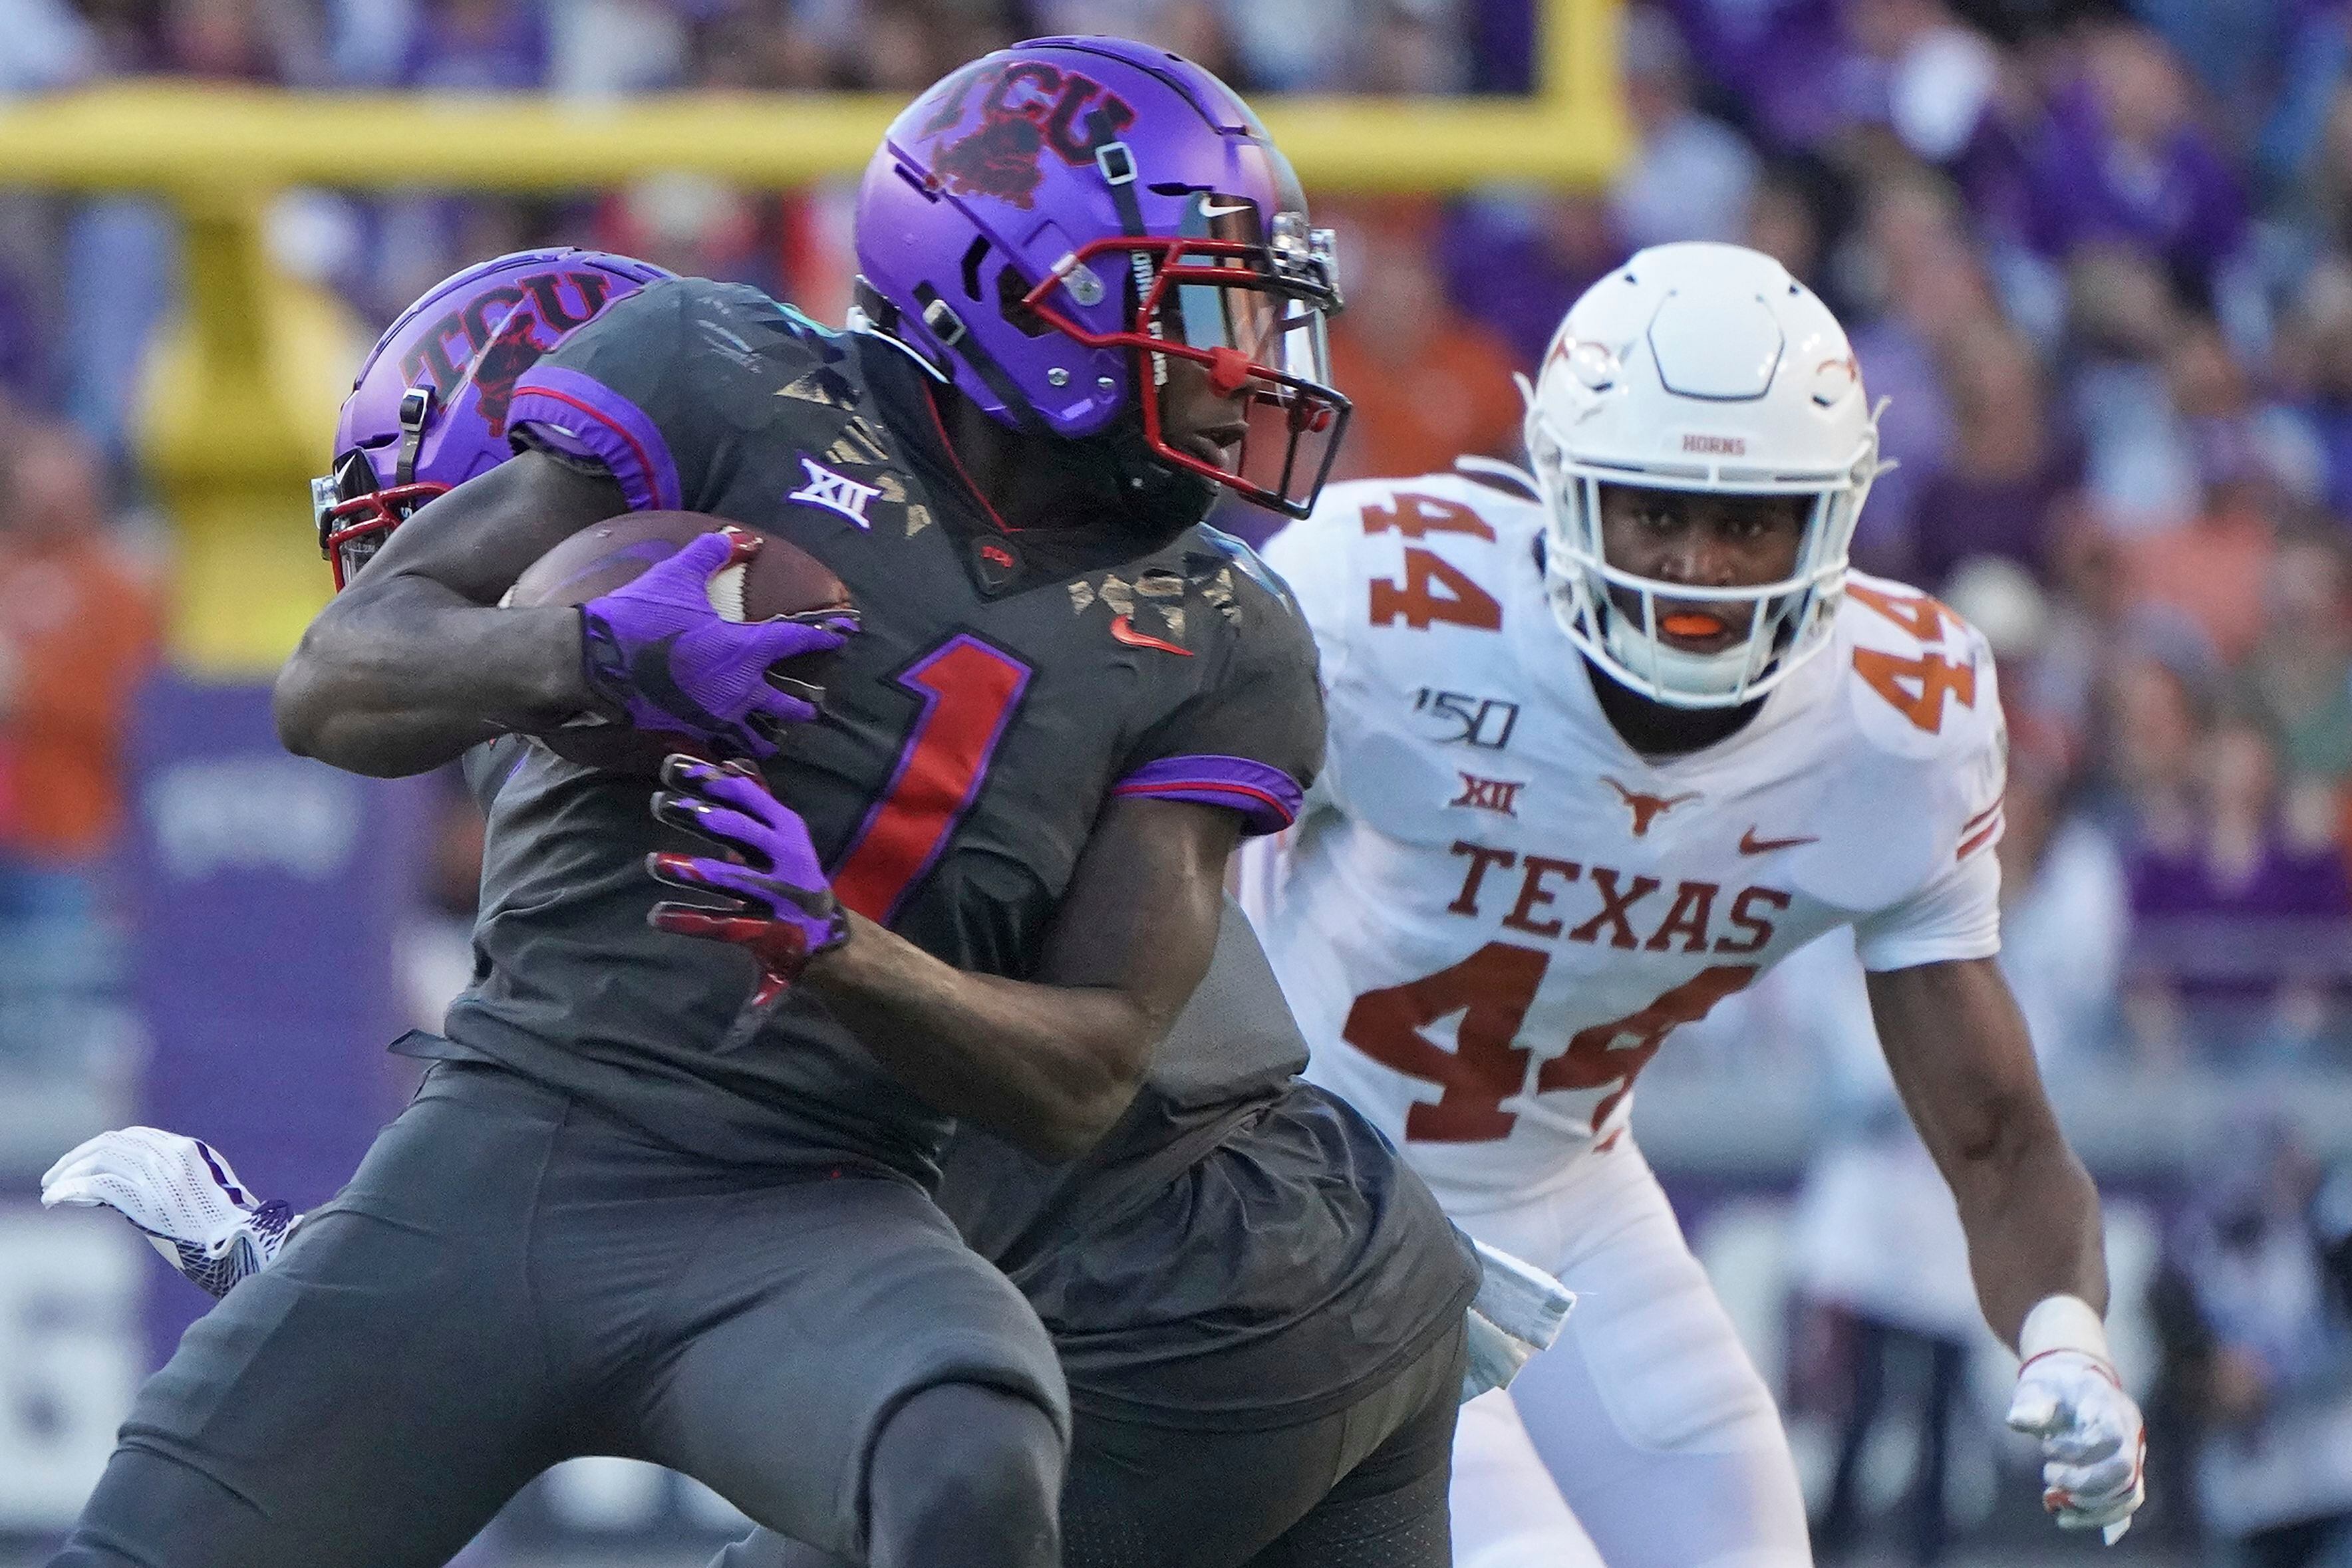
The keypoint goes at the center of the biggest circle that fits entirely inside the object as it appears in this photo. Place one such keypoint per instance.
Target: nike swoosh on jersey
(1749, 844)
(1122, 630)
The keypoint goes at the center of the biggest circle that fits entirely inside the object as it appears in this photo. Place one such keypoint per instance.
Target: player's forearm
(1049, 1068)
(2032, 1216)
(1960, 1054)
(401, 674)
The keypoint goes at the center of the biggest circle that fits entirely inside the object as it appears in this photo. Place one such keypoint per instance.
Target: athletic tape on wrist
(2062, 1322)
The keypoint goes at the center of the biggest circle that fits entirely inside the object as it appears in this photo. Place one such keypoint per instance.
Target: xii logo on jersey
(1484, 722)
(1497, 795)
(835, 492)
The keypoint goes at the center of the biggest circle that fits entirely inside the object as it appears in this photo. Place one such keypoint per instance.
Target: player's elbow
(322, 711)
(1076, 1127)
(2013, 1145)
(2012, 1127)
(1086, 1102)
(301, 703)
(312, 708)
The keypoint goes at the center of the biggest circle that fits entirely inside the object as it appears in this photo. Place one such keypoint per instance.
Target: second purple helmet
(428, 409)
(1053, 223)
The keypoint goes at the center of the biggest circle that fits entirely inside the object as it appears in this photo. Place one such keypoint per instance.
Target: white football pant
(1644, 1438)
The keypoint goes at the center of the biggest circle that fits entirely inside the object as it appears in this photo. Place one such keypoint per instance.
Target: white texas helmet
(1699, 366)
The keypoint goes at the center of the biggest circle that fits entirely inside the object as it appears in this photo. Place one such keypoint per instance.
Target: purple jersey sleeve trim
(1266, 796)
(581, 415)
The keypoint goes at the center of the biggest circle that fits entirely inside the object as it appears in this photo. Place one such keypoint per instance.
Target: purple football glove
(779, 905)
(657, 649)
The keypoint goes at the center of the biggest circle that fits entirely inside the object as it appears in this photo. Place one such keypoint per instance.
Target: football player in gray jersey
(1252, 1298)
(629, 1212)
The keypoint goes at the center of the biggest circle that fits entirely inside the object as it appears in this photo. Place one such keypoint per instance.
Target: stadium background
(2098, 254)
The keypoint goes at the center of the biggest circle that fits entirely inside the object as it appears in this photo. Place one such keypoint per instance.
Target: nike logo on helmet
(1210, 210)
(1749, 844)
(1122, 630)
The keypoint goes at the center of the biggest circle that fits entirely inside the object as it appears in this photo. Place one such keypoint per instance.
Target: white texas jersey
(1491, 913)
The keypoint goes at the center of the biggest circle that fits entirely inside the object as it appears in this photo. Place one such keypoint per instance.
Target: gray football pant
(1363, 1488)
(511, 1280)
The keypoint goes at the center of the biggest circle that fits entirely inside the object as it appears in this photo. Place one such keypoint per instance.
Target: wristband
(2063, 1322)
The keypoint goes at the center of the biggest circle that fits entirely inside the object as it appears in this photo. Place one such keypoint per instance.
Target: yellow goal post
(239, 410)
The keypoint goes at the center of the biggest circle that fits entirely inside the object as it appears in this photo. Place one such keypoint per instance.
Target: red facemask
(1251, 315)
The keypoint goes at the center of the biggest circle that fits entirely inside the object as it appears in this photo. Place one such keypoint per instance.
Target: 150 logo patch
(1484, 722)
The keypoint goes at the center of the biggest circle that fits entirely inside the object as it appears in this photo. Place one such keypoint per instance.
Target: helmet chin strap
(1157, 499)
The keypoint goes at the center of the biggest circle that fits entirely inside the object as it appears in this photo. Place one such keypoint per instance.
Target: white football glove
(2094, 1445)
(181, 1196)
(1516, 1313)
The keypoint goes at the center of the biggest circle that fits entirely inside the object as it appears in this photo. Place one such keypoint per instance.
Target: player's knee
(965, 1474)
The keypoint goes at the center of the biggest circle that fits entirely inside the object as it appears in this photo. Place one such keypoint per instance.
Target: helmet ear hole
(1012, 292)
(972, 257)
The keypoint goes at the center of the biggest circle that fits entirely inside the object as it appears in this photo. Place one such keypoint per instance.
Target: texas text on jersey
(1552, 904)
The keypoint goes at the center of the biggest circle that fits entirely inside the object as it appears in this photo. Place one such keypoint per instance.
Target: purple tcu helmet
(1051, 222)
(428, 409)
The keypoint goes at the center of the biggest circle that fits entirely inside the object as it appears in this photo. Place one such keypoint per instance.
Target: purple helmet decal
(428, 409)
(1054, 223)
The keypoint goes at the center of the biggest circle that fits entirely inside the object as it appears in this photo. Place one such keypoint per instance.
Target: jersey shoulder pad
(1450, 507)
(1919, 685)
(662, 386)
(1214, 554)
(1230, 603)
(736, 305)
(688, 344)
(1434, 550)
(1918, 679)
(732, 334)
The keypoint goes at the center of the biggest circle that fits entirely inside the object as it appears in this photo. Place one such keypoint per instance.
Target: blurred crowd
(2097, 254)
(2099, 260)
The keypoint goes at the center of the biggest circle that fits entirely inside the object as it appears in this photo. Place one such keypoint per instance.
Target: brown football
(780, 579)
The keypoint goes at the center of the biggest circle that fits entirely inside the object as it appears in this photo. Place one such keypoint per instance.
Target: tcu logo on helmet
(492, 339)
(1026, 107)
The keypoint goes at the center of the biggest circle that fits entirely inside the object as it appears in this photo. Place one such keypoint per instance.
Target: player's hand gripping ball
(696, 636)
(775, 900)
(181, 1195)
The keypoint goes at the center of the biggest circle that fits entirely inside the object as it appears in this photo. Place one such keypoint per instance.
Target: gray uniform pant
(1364, 1486)
(511, 1280)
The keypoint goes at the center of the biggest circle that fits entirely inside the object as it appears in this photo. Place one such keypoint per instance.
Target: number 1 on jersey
(968, 692)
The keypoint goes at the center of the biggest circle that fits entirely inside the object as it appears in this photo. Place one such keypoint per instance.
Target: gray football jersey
(1241, 1248)
(1002, 688)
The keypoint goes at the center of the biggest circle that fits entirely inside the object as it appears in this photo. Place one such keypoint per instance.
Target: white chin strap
(1672, 669)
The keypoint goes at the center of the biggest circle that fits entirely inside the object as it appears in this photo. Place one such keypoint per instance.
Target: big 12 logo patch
(1026, 108)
